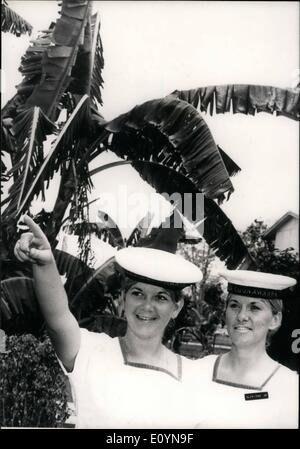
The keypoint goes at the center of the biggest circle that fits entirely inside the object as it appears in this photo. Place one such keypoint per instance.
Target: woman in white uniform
(245, 388)
(129, 382)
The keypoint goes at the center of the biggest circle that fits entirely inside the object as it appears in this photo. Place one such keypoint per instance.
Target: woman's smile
(145, 318)
(242, 329)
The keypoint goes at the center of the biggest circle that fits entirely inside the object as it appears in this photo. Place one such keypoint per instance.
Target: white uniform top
(274, 405)
(110, 392)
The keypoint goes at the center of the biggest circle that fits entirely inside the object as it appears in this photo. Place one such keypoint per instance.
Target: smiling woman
(148, 310)
(249, 320)
(128, 382)
(261, 392)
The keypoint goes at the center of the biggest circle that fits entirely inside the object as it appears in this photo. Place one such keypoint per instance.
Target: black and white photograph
(149, 217)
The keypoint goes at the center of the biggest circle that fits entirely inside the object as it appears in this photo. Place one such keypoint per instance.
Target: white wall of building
(287, 235)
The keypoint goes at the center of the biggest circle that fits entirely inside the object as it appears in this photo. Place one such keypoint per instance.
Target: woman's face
(148, 309)
(248, 320)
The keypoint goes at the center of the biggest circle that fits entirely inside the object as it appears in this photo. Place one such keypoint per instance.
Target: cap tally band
(256, 292)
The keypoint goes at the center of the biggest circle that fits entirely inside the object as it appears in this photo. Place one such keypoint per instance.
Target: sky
(152, 48)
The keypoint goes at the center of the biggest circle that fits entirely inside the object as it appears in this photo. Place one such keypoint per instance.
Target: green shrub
(32, 385)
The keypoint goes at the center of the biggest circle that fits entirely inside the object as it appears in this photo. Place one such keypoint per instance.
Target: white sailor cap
(155, 266)
(257, 284)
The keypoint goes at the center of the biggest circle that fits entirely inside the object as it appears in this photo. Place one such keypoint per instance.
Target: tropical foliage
(204, 306)
(244, 99)
(32, 386)
(11, 22)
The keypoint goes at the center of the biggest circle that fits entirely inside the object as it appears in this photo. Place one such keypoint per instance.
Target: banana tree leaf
(73, 63)
(87, 70)
(107, 223)
(19, 309)
(31, 69)
(47, 167)
(105, 229)
(7, 140)
(230, 165)
(3, 171)
(170, 126)
(76, 129)
(12, 22)
(218, 230)
(111, 325)
(48, 70)
(245, 99)
(97, 63)
(95, 295)
(30, 129)
(66, 31)
(81, 71)
(58, 60)
(141, 230)
(9, 111)
(102, 275)
(82, 284)
(171, 231)
(191, 233)
(70, 266)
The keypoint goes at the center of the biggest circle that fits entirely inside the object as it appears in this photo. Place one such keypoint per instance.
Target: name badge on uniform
(254, 396)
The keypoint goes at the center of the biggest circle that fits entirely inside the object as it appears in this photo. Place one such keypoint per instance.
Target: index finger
(34, 227)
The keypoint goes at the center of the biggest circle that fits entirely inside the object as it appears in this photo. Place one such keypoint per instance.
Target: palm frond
(12, 22)
(19, 310)
(97, 62)
(141, 230)
(7, 140)
(9, 110)
(101, 275)
(80, 81)
(73, 269)
(175, 228)
(223, 238)
(105, 229)
(29, 151)
(31, 70)
(172, 132)
(191, 232)
(3, 170)
(59, 59)
(30, 130)
(217, 230)
(108, 226)
(244, 98)
(230, 165)
(63, 139)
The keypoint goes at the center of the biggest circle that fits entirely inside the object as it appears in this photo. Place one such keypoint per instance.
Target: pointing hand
(33, 246)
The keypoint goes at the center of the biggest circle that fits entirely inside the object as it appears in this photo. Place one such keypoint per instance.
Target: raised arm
(62, 326)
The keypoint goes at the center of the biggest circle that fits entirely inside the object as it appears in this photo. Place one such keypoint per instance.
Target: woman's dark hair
(127, 283)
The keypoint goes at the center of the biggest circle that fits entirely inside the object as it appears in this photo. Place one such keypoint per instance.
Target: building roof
(280, 222)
